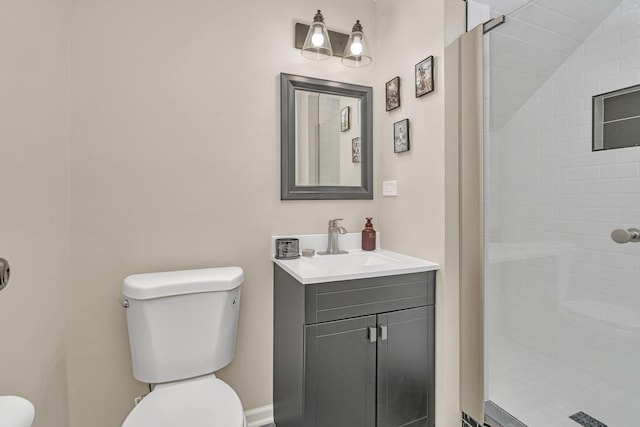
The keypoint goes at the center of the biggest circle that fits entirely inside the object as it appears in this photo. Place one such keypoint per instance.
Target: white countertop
(357, 264)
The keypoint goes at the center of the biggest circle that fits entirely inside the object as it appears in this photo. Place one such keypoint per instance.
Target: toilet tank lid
(158, 285)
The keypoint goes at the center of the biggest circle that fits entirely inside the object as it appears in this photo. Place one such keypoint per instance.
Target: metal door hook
(4, 273)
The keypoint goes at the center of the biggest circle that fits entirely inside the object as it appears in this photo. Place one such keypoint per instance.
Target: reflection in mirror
(326, 126)
(326, 139)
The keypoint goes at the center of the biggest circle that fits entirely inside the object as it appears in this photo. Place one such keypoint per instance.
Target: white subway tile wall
(537, 40)
(562, 299)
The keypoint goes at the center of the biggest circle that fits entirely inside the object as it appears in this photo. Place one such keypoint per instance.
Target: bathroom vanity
(354, 346)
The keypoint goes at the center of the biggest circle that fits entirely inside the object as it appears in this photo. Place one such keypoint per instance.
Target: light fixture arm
(318, 17)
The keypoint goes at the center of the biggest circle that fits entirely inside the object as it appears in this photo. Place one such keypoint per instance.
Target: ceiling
(537, 38)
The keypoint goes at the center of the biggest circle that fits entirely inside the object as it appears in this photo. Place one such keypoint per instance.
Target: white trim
(259, 417)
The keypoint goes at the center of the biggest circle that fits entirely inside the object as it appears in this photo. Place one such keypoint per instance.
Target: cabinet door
(405, 368)
(340, 373)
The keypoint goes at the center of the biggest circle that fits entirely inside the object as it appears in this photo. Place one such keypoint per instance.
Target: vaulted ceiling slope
(537, 38)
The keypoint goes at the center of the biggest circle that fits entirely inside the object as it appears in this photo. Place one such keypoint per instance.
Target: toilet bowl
(204, 401)
(182, 328)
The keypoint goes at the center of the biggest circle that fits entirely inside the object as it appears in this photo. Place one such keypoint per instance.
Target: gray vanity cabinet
(405, 376)
(355, 353)
(340, 373)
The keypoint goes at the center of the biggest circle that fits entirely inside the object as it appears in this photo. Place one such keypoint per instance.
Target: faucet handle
(334, 222)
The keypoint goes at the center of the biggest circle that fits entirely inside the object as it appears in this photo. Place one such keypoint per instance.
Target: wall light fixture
(356, 53)
(319, 43)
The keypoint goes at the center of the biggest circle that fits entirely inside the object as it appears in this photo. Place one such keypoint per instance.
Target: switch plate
(390, 188)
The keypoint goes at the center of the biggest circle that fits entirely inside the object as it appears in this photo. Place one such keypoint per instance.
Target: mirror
(326, 139)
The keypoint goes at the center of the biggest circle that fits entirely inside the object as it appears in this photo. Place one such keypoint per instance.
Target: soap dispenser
(368, 236)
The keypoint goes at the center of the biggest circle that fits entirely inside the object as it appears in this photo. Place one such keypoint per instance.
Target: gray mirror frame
(289, 191)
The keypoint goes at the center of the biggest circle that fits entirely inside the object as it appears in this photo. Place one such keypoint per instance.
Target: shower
(562, 299)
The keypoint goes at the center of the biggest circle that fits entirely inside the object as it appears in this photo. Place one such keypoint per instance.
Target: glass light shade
(356, 52)
(317, 44)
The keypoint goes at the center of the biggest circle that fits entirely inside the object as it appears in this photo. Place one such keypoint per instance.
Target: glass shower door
(562, 299)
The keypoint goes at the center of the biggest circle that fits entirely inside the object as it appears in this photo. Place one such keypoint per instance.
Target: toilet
(182, 328)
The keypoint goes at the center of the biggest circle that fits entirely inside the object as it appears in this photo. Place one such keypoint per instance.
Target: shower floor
(543, 392)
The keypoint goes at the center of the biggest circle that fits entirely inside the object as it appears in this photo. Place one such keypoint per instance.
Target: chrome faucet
(332, 238)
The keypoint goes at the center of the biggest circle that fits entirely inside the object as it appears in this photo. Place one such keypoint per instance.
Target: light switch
(390, 188)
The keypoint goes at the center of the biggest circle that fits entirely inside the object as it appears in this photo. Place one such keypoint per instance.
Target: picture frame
(356, 150)
(392, 93)
(401, 136)
(345, 119)
(425, 82)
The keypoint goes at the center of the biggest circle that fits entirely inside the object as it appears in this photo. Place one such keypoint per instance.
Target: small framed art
(392, 93)
(401, 136)
(345, 119)
(424, 77)
(356, 155)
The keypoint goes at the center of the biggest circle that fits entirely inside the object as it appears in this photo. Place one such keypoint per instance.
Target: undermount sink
(355, 264)
(16, 412)
(350, 260)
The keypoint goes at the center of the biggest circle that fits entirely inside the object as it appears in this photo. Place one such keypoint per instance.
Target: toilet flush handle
(124, 302)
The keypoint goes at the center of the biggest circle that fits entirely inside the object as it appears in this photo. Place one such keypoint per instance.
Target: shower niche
(616, 119)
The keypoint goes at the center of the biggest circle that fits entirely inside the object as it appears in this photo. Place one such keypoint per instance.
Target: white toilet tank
(182, 324)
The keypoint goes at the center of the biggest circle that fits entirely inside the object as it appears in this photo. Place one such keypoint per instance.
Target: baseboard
(259, 417)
